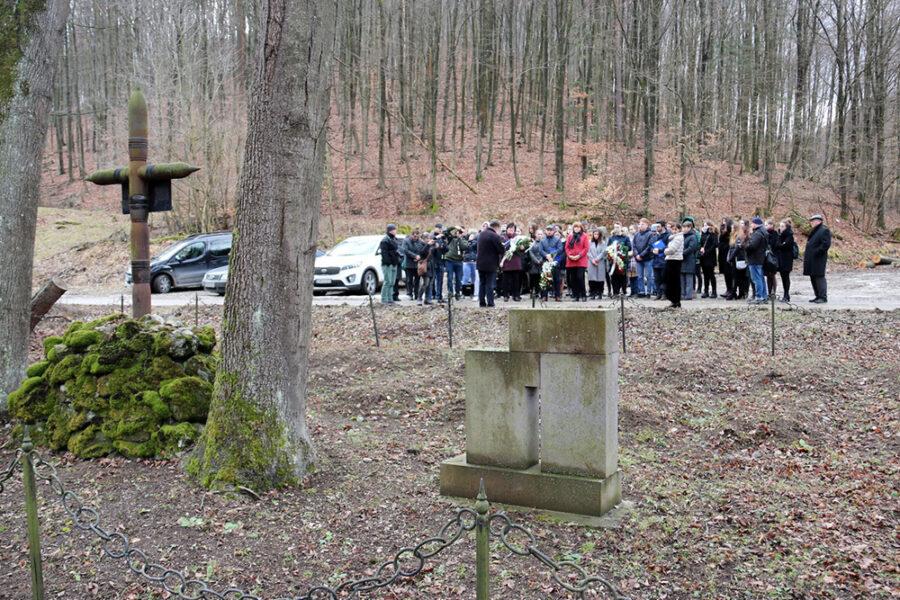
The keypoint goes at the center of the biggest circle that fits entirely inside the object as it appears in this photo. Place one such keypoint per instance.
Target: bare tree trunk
(28, 67)
(563, 16)
(803, 25)
(256, 434)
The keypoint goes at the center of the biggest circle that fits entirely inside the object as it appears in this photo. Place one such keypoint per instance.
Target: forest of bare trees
(803, 89)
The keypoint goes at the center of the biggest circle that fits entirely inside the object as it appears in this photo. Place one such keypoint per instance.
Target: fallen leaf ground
(747, 476)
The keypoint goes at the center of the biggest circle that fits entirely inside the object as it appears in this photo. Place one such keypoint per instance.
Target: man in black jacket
(490, 251)
(815, 258)
(412, 250)
(756, 257)
(390, 262)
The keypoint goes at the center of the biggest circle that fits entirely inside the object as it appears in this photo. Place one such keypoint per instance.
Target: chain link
(10, 470)
(567, 573)
(117, 545)
(407, 563)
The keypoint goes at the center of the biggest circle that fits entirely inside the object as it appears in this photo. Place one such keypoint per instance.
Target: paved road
(860, 290)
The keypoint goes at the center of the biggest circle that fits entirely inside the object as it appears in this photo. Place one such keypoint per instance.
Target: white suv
(353, 264)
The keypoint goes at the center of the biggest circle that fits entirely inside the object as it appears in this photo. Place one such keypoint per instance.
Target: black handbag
(771, 264)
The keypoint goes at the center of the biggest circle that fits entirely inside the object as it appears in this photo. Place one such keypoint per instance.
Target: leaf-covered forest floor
(746, 476)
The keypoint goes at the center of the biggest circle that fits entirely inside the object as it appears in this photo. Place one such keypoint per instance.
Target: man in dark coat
(490, 251)
(756, 258)
(815, 258)
(390, 262)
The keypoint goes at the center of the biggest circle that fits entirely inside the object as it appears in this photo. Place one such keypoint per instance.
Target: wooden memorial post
(146, 188)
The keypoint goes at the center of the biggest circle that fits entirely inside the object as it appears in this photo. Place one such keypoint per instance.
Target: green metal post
(772, 300)
(482, 546)
(34, 527)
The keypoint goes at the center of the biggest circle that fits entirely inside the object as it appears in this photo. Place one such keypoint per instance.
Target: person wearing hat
(390, 262)
(815, 258)
(756, 258)
(457, 244)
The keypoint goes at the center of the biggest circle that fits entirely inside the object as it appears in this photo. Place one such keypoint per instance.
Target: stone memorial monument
(542, 416)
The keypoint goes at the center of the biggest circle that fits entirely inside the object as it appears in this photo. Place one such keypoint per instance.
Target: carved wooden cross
(145, 189)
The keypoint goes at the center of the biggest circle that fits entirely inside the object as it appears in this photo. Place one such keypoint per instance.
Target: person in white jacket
(674, 257)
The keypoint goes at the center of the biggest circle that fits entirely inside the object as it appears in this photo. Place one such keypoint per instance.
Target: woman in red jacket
(577, 245)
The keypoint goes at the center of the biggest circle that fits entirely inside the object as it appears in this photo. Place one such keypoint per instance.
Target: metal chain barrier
(567, 573)
(405, 564)
(117, 545)
(10, 470)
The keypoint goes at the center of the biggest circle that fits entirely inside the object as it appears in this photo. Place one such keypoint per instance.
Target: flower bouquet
(519, 244)
(546, 279)
(616, 254)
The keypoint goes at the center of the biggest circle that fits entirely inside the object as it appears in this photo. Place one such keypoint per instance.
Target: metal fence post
(122, 303)
(482, 546)
(450, 318)
(622, 312)
(374, 322)
(34, 527)
(772, 302)
(196, 309)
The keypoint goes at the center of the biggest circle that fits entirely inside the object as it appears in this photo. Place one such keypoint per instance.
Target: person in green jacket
(457, 245)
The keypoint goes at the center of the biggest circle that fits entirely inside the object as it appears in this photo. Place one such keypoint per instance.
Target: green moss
(84, 394)
(82, 338)
(142, 343)
(110, 318)
(90, 443)
(16, 23)
(135, 422)
(188, 397)
(162, 369)
(73, 326)
(202, 366)
(49, 342)
(175, 438)
(33, 401)
(66, 369)
(156, 404)
(243, 444)
(206, 338)
(103, 389)
(58, 429)
(37, 369)
(57, 352)
(146, 449)
(114, 352)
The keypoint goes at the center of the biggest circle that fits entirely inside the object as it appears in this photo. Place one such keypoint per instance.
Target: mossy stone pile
(137, 387)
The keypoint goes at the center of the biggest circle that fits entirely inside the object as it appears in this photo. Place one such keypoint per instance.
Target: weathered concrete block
(580, 414)
(502, 408)
(563, 330)
(531, 487)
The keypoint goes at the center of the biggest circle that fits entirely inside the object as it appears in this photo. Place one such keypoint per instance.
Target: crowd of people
(676, 261)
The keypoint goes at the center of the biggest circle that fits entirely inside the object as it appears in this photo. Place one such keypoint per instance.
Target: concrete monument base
(532, 488)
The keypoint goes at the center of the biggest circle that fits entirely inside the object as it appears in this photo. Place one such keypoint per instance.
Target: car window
(219, 247)
(355, 247)
(191, 252)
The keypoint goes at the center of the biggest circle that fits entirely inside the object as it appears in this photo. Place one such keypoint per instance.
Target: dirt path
(856, 290)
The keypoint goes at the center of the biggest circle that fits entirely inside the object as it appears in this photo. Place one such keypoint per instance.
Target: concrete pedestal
(542, 417)
(532, 488)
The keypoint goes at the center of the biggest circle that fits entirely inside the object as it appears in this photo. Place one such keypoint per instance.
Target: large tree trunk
(27, 67)
(256, 434)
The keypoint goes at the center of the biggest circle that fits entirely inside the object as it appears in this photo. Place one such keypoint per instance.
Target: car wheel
(162, 284)
(369, 283)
